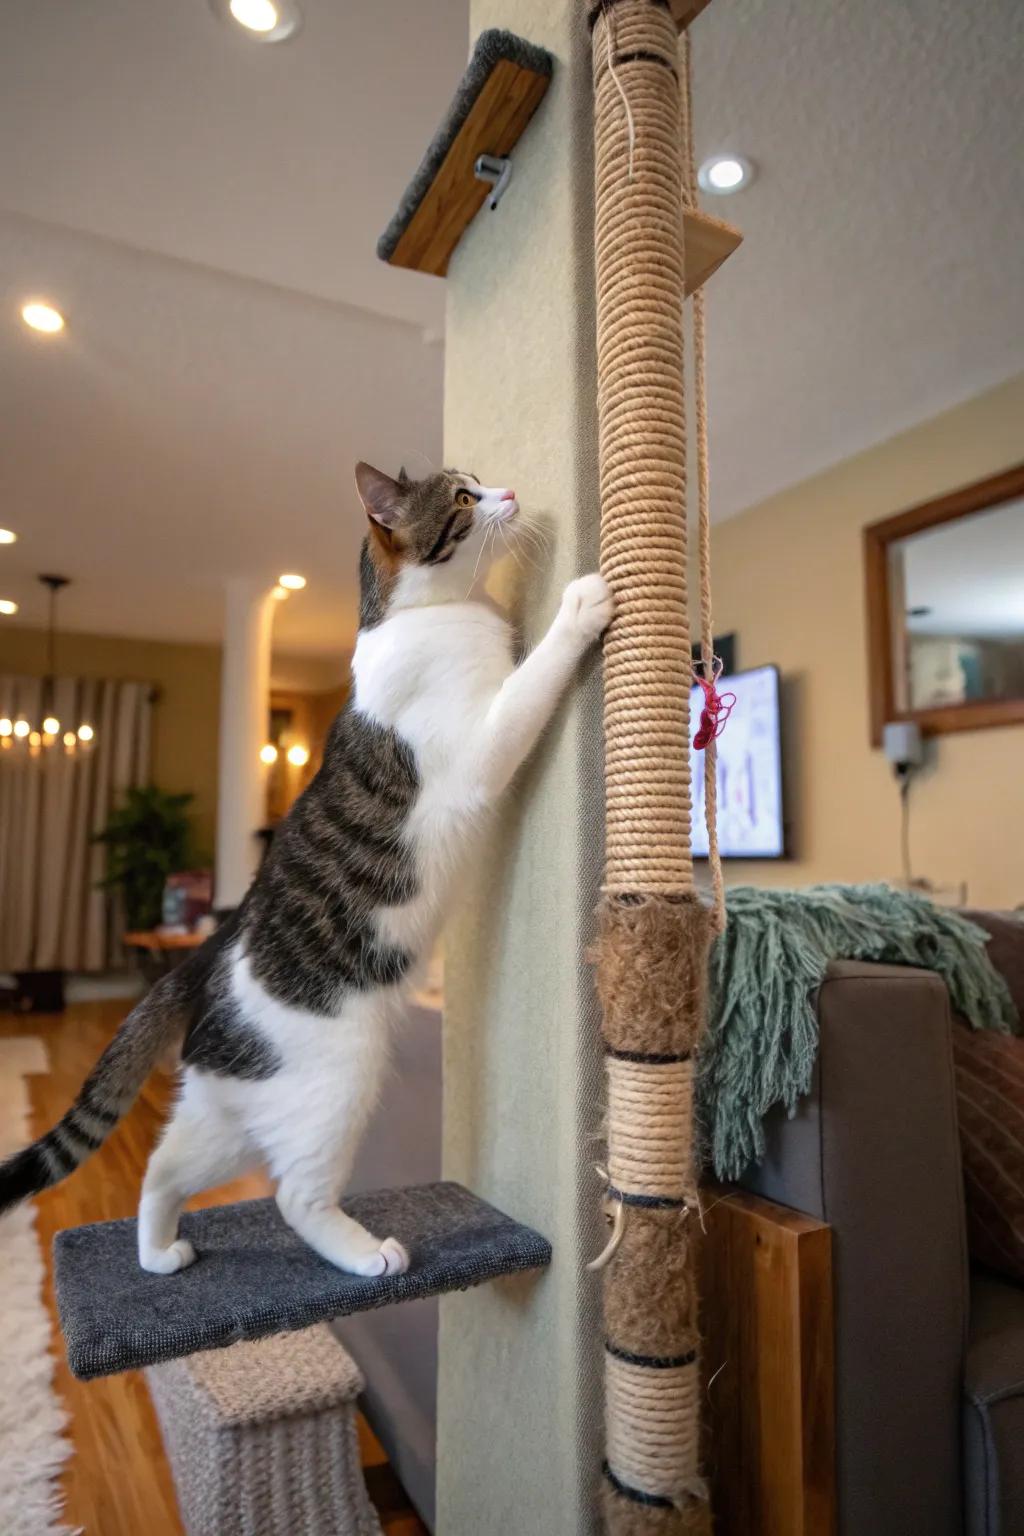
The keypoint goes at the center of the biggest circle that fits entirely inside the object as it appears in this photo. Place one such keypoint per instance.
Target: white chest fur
(432, 675)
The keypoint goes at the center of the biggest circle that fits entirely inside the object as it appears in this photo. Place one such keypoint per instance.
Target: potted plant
(147, 838)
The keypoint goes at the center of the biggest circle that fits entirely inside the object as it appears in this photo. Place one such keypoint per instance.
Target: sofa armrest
(874, 1152)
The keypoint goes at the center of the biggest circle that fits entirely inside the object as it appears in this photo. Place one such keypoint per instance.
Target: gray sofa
(929, 1355)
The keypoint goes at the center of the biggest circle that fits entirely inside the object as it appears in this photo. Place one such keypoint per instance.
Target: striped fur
(108, 1091)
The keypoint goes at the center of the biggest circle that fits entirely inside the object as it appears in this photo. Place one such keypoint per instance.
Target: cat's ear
(380, 495)
(403, 478)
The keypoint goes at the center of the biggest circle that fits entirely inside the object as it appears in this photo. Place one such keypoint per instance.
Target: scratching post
(653, 931)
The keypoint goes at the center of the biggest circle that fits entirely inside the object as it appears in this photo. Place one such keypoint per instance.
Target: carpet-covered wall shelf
(504, 84)
(254, 1277)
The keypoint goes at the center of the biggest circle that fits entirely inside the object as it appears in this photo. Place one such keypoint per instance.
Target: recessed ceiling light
(6, 606)
(725, 173)
(298, 756)
(269, 21)
(293, 583)
(7, 537)
(42, 317)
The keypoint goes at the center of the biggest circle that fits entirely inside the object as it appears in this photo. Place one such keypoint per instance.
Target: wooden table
(156, 942)
(162, 950)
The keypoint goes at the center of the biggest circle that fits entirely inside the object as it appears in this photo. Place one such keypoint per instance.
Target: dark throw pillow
(990, 1105)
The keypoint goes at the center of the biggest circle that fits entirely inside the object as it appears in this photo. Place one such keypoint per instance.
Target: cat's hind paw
(390, 1258)
(167, 1261)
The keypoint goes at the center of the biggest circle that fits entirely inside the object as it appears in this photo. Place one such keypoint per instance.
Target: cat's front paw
(587, 606)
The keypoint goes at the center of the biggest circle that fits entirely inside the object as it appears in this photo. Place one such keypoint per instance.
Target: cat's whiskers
(537, 531)
(508, 547)
(488, 535)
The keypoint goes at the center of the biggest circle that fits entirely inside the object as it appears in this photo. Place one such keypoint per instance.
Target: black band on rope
(648, 1058)
(604, 5)
(644, 56)
(652, 1362)
(649, 1202)
(654, 1500)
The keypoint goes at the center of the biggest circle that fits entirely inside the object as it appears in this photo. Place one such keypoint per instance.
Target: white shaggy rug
(32, 1421)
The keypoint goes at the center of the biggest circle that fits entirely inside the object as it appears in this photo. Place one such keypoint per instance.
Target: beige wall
(185, 721)
(518, 1394)
(788, 579)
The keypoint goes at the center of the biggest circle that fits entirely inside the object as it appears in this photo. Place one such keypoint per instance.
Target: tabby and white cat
(285, 1012)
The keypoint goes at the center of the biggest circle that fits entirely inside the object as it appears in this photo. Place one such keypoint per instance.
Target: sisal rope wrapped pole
(653, 932)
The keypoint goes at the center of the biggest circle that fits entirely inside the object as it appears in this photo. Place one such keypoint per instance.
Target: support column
(519, 1407)
(244, 700)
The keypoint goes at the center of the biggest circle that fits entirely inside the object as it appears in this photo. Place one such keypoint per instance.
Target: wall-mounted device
(902, 745)
(904, 748)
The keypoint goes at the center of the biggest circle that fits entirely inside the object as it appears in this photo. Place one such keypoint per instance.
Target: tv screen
(750, 813)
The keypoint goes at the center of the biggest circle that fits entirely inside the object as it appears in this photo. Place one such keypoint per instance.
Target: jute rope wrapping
(653, 932)
(639, 264)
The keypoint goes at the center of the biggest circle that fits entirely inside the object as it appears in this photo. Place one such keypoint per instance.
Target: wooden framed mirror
(945, 610)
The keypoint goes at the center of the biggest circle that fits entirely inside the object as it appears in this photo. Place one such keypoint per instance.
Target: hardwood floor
(118, 1482)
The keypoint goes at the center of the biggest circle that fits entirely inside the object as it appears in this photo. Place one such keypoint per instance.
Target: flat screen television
(750, 808)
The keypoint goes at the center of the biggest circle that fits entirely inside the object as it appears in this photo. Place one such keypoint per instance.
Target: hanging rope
(653, 932)
(707, 627)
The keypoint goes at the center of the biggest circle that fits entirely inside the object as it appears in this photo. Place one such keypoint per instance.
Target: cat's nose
(508, 496)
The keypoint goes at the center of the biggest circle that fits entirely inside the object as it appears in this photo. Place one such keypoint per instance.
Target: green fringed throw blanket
(762, 1034)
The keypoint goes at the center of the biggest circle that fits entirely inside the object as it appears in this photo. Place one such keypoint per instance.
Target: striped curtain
(52, 914)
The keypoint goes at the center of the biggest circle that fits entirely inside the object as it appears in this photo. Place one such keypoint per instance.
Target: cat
(285, 1012)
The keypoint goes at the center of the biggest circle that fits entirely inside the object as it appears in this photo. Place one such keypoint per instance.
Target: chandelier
(47, 732)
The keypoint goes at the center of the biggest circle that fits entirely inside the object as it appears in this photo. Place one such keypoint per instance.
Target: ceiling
(205, 208)
(969, 574)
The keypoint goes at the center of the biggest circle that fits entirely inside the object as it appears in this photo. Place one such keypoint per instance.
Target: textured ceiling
(882, 276)
(206, 208)
(157, 123)
(190, 426)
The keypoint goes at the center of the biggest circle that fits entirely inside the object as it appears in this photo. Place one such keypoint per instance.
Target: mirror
(945, 590)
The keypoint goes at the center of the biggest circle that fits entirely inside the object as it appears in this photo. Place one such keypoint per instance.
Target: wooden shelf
(708, 242)
(684, 11)
(505, 92)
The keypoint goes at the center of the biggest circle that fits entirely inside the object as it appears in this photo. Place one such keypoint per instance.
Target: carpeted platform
(254, 1276)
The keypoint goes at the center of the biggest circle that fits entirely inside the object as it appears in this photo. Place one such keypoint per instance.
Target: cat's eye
(465, 499)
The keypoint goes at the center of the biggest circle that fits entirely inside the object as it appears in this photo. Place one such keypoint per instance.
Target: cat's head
(431, 522)
(436, 533)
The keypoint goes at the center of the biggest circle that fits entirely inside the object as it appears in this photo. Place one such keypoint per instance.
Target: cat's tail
(107, 1093)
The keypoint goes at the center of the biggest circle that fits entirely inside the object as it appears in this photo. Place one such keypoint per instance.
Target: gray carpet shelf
(254, 1277)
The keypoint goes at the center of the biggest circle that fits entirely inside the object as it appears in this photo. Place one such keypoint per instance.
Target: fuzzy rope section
(651, 962)
(762, 1037)
(624, 1517)
(650, 1297)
